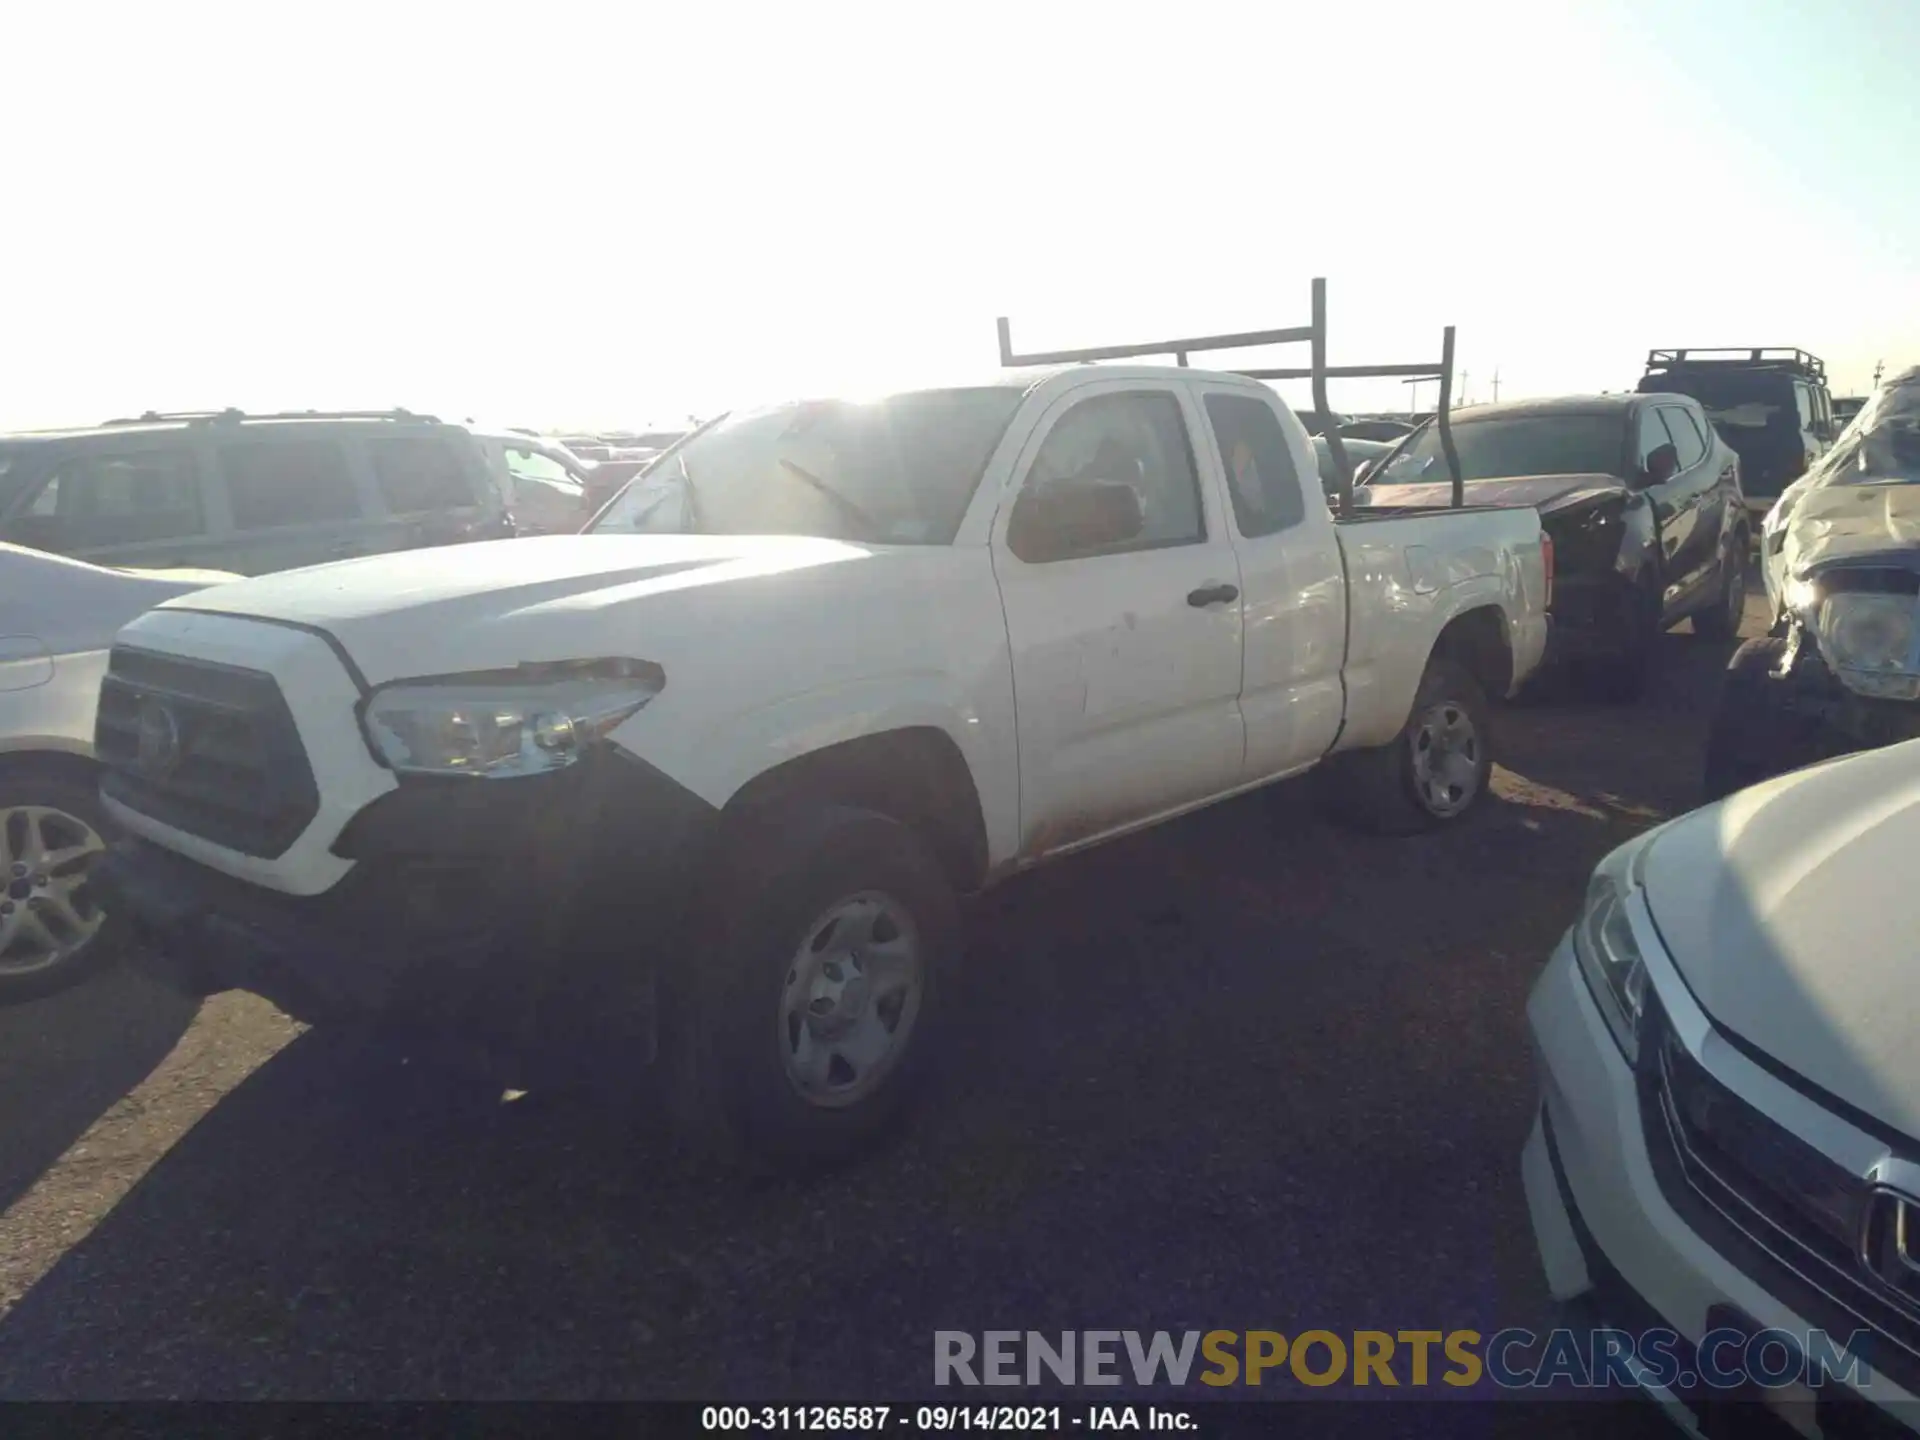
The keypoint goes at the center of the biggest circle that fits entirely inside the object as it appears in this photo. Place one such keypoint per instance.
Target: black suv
(1642, 501)
(247, 493)
(1771, 405)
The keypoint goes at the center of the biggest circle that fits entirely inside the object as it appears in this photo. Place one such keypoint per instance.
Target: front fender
(717, 761)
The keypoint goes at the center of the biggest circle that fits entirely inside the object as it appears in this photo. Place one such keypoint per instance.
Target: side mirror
(1067, 518)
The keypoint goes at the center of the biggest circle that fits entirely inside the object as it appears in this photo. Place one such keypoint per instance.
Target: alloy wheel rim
(47, 913)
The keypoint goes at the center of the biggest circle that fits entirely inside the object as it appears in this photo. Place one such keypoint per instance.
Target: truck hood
(1544, 492)
(1791, 912)
(1838, 524)
(495, 604)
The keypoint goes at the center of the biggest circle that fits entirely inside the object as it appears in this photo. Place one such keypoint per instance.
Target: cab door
(1125, 646)
(1294, 586)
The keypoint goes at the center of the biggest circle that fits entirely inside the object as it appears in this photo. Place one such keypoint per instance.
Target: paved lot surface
(1244, 1071)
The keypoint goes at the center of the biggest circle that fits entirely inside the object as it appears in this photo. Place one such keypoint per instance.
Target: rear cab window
(1262, 479)
(274, 483)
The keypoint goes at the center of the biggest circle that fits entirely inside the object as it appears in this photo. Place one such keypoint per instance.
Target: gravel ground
(1243, 1071)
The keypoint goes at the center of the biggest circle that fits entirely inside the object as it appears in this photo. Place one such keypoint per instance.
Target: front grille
(1789, 1217)
(220, 757)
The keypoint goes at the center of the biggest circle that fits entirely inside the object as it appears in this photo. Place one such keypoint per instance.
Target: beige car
(59, 619)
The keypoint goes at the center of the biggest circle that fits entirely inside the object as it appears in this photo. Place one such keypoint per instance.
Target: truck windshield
(898, 471)
(1505, 448)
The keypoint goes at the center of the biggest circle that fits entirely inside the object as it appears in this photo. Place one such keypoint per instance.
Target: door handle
(1212, 595)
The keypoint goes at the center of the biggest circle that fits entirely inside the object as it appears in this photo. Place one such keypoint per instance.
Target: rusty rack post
(1318, 371)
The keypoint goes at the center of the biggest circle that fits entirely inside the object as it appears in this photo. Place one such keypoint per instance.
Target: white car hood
(1791, 910)
(489, 605)
(1851, 522)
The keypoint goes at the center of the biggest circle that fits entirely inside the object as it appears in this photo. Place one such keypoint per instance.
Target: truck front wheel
(1433, 772)
(1758, 731)
(817, 995)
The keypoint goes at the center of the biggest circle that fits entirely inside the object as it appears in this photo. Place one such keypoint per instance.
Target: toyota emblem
(158, 749)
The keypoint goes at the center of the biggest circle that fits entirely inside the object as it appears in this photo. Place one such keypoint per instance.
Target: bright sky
(621, 214)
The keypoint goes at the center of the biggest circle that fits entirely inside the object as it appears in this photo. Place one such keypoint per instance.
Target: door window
(1101, 449)
(287, 482)
(94, 501)
(1659, 457)
(1686, 436)
(1262, 479)
(419, 473)
(1803, 403)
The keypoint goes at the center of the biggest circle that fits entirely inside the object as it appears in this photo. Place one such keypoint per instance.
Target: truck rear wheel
(1757, 732)
(817, 994)
(1434, 772)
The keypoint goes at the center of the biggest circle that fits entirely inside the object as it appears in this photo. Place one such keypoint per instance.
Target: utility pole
(1496, 384)
(1465, 375)
(1878, 366)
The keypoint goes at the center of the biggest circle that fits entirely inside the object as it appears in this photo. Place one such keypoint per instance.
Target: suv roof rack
(1319, 372)
(231, 416)
(1758, 357)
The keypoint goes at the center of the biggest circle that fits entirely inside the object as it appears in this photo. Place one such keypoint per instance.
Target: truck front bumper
(519, 913)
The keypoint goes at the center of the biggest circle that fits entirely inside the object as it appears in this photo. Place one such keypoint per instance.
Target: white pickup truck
(703, 784)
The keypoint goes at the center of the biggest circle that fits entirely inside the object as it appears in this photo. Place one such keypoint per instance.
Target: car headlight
(1609, 956)
(505, 723)
(1868, 639)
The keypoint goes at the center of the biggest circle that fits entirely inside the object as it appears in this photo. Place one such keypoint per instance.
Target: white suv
(1728, 1140)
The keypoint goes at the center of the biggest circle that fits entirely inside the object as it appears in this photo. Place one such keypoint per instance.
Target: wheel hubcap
(852, 993)
(1446, 759)
(47, 914)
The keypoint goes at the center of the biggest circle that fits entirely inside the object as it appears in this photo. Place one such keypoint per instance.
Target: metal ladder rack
(1313, 334)
(233, 416)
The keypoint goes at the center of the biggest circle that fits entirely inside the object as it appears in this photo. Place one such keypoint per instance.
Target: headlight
(1869, 641)
(1609, 956)
(506, 723)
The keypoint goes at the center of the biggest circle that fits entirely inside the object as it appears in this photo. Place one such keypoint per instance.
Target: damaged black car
(1840, 554)
(1641, 498)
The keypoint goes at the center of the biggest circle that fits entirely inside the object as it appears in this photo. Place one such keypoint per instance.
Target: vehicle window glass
(1654, 437)
(1262, 478)
(1803, 403)
(1136, 440)
(287, 482)
(532, 465)
(97, 500)
(1686, 436)
(1502, 448)
(418, 473)
(900, 470)
(1744, 400)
